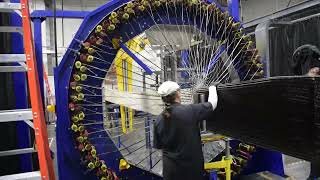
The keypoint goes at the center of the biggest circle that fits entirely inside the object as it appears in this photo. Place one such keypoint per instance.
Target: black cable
(62, 26)
(55, 30)
(289, 3)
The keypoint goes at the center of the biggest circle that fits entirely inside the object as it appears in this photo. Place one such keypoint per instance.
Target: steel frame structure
(38, 17)
(36, 112)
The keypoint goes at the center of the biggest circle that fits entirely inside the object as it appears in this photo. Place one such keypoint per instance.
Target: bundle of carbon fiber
(279, 113)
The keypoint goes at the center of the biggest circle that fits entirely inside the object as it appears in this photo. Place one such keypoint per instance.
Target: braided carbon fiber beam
(279, 113)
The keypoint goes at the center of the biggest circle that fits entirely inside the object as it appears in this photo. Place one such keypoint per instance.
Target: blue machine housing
(68, 156)
(70, 166)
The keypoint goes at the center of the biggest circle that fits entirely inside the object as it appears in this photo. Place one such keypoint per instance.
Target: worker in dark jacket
(177, 133)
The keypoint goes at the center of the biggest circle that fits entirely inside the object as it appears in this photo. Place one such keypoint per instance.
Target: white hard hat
(168, 88)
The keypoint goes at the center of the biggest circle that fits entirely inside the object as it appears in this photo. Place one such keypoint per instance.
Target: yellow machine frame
(124, 77)
(225, 162)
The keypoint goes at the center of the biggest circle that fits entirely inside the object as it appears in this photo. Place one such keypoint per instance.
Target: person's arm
(213, 97)
(203, 110)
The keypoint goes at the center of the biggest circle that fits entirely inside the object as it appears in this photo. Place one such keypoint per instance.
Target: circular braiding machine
(106, 83)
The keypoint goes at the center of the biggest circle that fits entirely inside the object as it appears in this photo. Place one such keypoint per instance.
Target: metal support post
(144, 82)
(263, 43)
(233, 8)
(228, 158)
(163, 75)
(125, 77)
(38, 49)
(204, 122)
(173, 67)
(117, 123)
(227, 148)
(184, 62)
(147, 132)
(148, 139)
(157, 81)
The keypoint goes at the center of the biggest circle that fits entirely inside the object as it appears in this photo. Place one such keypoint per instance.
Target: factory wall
(66, 29)
(251, 9)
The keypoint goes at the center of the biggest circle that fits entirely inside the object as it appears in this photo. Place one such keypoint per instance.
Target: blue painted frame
(38, 16)
(59, 14)
(62, 79)
(233, 8)
(68, 156)
(38, 49)
(135, 58)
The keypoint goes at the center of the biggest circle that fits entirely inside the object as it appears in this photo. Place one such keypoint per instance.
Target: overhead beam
(60, 14)
(283, 12)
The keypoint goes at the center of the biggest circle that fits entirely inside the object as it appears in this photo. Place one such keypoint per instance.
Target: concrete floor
(36, 174)
(295, 168)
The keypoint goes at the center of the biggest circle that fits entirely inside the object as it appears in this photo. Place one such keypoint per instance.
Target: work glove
(213, 97)
(315, 71)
